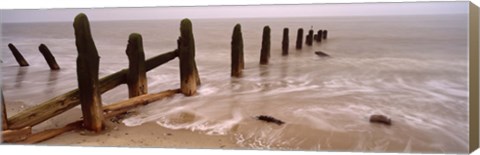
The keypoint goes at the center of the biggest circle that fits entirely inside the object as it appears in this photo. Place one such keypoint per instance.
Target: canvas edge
(474, 77)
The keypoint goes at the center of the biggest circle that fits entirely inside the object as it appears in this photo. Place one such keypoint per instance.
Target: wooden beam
(50, 133)
(59, 104)
(16, 135)
(87, 74)
(18, 56)
(124, 106)
(137, 75)
(52, 63)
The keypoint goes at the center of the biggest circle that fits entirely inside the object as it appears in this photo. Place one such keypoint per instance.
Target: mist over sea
(410, 68)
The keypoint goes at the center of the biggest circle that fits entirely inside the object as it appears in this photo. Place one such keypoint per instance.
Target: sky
(251, 11)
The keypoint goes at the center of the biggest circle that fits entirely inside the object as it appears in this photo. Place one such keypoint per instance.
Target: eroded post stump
(265, 51)
(325, 32)
(137, 74)
(18, 56)
(189, 78)
(319, 35)
(309, 39)
(87, 74)
(237, 52)
(299, 39)
(285, 42)
(52, 63)
(4, 114)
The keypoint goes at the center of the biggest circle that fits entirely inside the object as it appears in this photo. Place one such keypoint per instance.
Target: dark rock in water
(321, 54)
(270, 119)
(380, 119)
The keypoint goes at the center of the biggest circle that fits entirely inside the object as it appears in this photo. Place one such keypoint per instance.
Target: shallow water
(410, 68)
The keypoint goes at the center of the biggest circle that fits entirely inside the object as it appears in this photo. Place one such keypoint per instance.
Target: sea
(412, 69)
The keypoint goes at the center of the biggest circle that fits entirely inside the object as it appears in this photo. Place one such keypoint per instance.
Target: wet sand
(146, 135)
(116, 134)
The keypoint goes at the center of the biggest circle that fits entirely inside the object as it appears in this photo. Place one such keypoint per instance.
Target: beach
(116, 134)
(412, 69)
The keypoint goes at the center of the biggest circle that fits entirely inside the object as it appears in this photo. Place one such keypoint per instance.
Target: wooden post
(285, 42)
(319, 36)
(4, 114)
(52, 63)
(325, 34)
(309, 39)
(265, 51)
(137, 75)
(237, 52)
(87, 74)
(299, 38)
(18, 56)
(186, 47)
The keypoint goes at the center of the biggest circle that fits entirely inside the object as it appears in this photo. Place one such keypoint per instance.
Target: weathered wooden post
(325, 34)
(265, 51)
(188, 74)
(18, 56)
(4, 114)
(285, 42)
(237, 52)
(52, 63)
(87, 75)
(299, 38)
(137, 74)
(309, 39)
(319, 36)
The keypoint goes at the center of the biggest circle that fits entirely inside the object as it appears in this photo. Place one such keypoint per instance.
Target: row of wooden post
(88, 60)
(90, 87)
(238, 63)
(52, 63)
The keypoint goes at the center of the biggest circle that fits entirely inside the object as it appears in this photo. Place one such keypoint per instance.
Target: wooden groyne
(17, 128)
(90, 87)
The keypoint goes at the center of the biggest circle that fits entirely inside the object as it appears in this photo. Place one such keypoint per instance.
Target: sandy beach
(146, 135)
(116, 134)
(417, 82)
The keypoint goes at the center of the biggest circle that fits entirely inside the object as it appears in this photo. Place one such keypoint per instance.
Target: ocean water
(411, 68)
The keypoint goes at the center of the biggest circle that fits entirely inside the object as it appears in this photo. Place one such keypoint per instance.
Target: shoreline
(117, 134)
(145, 135)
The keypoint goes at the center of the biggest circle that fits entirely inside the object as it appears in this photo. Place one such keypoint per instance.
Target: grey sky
(358, 9)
